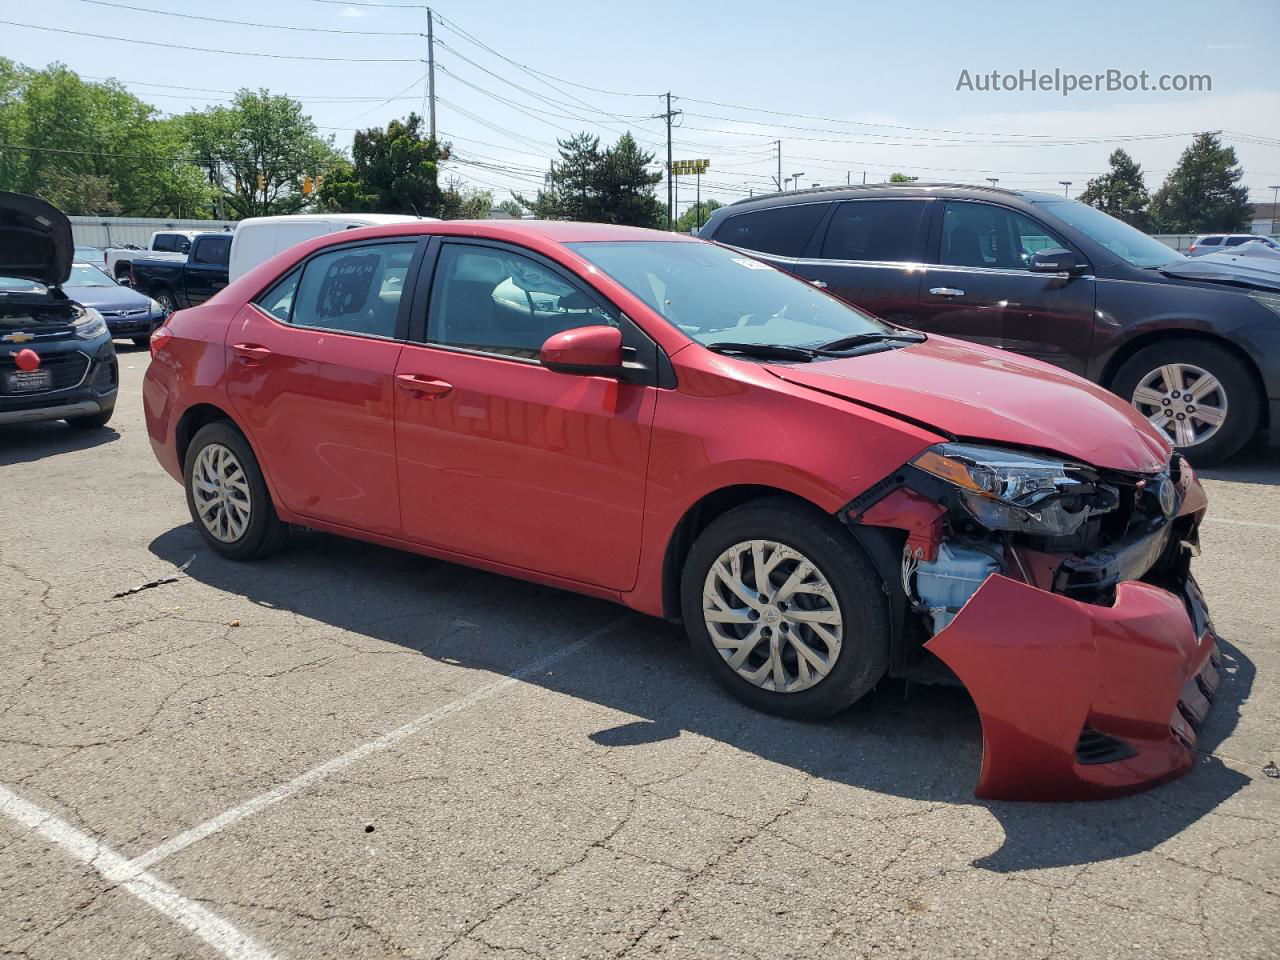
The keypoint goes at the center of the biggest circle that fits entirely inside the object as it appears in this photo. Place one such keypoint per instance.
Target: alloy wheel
(220, 490)
(772, 615)
(1187, 403)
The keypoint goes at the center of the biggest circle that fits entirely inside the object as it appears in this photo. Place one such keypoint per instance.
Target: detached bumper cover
(1080, 701)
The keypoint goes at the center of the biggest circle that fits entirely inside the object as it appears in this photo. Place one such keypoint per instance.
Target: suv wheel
(228, 497)
(95, 421)
(784, 609)
(1197, 394)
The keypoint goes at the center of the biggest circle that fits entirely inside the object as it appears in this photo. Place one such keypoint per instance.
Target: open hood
(986, 395)
(35, 240)
(1256, 270)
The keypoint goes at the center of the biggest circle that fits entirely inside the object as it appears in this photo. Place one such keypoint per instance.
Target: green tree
(609, 186)
(690, 219)
(460, 202)
(900, 178)
(512, 208)
(259, 150)
(1203, 192)
(93, 148)
(1121, 191)
(393, 170)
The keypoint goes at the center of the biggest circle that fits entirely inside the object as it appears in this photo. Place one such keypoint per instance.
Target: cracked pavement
(614, 804)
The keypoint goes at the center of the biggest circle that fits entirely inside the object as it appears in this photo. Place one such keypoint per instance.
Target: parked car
(56, 357)
(1197, 352)
(178, 284)
(822, 497)
(128, 313)
(164, 245)
(258, 239)
(1220, 242)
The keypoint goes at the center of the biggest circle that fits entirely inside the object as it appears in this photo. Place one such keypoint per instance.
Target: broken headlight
(1019, 492)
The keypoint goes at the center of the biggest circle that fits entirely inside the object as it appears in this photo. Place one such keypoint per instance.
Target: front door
(979, 288)
(206, 270)
(501, 458)
(310, 370)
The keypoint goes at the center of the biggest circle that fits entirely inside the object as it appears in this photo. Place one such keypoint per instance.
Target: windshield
(87, 275)
(1126, 242)
(714, 294)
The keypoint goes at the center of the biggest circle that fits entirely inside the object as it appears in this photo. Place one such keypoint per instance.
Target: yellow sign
(687, 168)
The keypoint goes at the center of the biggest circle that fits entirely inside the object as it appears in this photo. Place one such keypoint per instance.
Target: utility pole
(431, 73)
(697, 205)
(1275, 195)
(779, 180)
(864, 178)
(848, 178)
(671, 202)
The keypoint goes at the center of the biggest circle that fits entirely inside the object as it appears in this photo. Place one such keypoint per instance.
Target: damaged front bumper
(1080, 701)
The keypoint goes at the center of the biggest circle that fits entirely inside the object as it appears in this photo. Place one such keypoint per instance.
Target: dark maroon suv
(1194, 344)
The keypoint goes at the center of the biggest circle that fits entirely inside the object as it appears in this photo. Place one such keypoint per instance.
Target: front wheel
(785, 610)
(141, 341)
(227, 495)
(168, 303)
(1198, 394)
(95, 421)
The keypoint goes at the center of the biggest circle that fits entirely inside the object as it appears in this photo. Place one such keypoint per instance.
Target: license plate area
(28, 381)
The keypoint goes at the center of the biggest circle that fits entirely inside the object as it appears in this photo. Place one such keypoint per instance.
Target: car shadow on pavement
(917, 742)
(1254, 464)
(28, 442)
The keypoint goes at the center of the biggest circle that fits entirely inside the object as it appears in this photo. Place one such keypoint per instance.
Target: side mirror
(585, 350)
(1054, 260)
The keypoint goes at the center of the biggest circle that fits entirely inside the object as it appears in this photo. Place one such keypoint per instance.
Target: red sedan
(822, 498)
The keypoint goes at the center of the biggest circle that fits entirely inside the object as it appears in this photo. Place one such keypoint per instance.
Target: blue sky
(837, 82)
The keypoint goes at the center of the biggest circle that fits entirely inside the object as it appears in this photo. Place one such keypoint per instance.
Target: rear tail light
(160, 338)
(1191, 249)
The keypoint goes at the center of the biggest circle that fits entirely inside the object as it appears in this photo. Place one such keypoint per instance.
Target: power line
(247, 23)
(234, 53)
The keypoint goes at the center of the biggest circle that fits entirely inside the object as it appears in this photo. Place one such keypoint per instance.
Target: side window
(353, 290)
(212, 250)
(1211, 241)
(278, 301)
(782, 231)
(181, 244)
(163, 243)
(874, 230)
(491, 300)
(1236, 241)
(981, 235)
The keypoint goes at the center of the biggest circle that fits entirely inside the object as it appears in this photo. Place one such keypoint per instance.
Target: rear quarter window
(782, 231)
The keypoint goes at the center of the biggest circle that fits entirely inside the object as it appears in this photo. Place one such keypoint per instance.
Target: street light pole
(993, 180)
(795, 178)
(1066, 188)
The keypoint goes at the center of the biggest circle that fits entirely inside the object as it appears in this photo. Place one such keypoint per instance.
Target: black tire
(95, 421)
(1244, 405)
(264, 534)
(141, 341)
(164, 296)
(864, 653)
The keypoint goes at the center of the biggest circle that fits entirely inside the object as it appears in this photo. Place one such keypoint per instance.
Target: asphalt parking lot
(350, 752)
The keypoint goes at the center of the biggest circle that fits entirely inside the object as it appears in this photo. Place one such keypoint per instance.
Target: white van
(258, 239)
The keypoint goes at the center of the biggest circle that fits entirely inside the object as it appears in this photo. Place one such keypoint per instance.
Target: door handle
(820, 284)
(250, 353)
(946, 292)
(422, 387)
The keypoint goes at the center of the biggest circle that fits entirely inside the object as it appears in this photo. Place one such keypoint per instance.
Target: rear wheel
(227, 495)
(785, 610)
(1199, 395)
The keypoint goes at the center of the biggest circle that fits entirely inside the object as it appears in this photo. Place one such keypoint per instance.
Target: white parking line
(1243, 523)
(116, 870)
(197, 833)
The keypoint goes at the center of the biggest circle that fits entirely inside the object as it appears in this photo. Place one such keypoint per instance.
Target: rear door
(206, 269)
(978, 286)
(869, 253)
(310, 371)
(505, 460)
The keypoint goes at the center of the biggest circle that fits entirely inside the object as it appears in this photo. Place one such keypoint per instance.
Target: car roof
(892, 190)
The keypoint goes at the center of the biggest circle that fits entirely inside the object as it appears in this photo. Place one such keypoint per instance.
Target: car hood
(1258, 271)
(976, 393)
(108, 299)
(35, 240)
